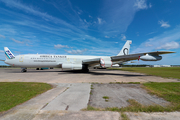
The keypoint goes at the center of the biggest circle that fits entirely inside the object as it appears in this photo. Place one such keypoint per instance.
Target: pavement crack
(44, 106)
(54, 97)
(67, 107)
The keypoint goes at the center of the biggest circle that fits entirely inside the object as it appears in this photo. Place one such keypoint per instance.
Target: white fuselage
(45, 60)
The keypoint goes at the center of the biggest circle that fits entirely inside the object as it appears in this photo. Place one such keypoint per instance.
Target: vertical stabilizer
(8, 53)
(126, 48)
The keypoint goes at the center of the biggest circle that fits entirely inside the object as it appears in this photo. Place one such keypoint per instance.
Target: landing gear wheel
(23, 70)
(85, 70)
(37, 68)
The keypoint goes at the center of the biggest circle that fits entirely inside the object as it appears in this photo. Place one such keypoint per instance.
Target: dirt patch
(119, 94)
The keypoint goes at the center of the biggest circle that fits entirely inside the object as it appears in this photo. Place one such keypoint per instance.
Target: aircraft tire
(85, 70)
(23, 70)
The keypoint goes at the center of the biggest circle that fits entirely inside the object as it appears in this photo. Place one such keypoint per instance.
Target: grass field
(14, 93)
(166, 72)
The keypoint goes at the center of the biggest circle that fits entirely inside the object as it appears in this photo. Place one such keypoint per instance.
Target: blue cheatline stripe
(7, 55)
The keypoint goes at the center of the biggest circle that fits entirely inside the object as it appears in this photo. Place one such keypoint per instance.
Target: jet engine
(148, 57)
(72, 66)
(105, 62)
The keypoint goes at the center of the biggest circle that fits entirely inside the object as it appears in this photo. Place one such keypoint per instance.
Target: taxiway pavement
(59, 76)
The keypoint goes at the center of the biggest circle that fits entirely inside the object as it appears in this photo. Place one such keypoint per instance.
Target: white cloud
(141, 4)
(164, 24)
(118, 15)
(167, 40)
(79, 11)
(107, 36)
(1, 51)
(17, 41)
(99, 20)
(148, 45)
(36, 12)
(85, 21)
(76, 51)
(123, 37)
(137, 33)
(59, 46)
(170, 45)
(2, 36)
(150, 33)
(90, 16)
(150, 5)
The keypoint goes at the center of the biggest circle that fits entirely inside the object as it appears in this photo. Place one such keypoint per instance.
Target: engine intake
(148, 57)
(105, 62)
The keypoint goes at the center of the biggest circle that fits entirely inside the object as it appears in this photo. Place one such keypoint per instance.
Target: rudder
(126, 48)
(8, 53)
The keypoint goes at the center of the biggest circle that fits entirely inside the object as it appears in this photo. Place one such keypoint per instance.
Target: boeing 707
(78, 62)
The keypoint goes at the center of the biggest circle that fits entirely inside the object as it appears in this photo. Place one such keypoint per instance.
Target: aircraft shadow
(99, 73)
(92, 72)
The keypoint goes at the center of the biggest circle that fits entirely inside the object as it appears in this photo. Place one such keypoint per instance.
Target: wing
(2, 60)
(129, 57)
(91, 62)
(148, 56)
(98, 62)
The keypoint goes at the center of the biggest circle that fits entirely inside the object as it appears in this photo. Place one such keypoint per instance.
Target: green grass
(168, 91)
(14, 93)
(166, 72)
(92, 87)
(124, 116)
(124, 83)
(106, 98)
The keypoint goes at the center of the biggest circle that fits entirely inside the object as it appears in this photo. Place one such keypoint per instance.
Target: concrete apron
(75, 98)
(64, 101)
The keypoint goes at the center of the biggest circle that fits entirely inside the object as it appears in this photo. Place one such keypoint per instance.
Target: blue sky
(90, 27)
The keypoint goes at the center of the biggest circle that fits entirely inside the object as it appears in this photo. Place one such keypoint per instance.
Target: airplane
(78, 62)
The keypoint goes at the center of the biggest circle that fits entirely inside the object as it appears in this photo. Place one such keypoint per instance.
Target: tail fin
(126, 48)
(8, 53)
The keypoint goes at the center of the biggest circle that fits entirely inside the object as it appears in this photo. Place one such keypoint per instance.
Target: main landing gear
(85, 69)
(23, 70)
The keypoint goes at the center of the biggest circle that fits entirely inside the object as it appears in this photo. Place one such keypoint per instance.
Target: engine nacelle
(148, 57)
(72, 66)
(105, 62)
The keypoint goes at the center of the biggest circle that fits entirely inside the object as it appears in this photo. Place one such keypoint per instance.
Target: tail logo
(126, 51)
(9, 54)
